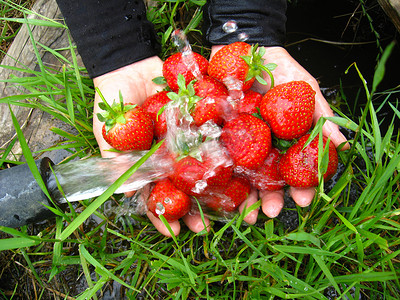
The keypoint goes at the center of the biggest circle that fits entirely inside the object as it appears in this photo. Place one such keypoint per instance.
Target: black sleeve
(109, 34)
(262, 21)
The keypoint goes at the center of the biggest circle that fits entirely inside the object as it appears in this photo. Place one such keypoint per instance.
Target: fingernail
(273, 211)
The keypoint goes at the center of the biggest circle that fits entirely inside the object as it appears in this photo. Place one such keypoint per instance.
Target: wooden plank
(392, 10)
(36, 124)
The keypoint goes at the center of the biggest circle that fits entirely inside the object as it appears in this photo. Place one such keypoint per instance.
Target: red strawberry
(193, 177)
(229, 198)
(250, 103)
(288, 108)
(299, 167)
(247, 139)
(267, 177)
(126, 127)
(214, 98)
(238, 61)
(165, 199)
(152, 106)
(178, 64)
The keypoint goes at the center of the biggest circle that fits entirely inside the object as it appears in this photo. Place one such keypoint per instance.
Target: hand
(135, 83)
(288, 69)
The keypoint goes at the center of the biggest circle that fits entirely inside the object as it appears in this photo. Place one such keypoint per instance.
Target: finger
(159, 225)
(214, 49)
(329, 129)
(251, 217)
(302, 197)
(332, 131)
(130, 194)
(272, 202)
(195, 223)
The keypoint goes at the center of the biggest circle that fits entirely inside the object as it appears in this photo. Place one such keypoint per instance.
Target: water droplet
(243, 36)
(128, 17)
(230, 26)
(167, 200)
(160, 209)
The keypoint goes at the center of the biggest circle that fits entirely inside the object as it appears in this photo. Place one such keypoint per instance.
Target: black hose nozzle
(21, 198)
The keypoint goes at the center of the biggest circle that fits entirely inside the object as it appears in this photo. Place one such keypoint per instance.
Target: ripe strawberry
(193, 177)
(247, 139)
(250, 103)
(238, 61)
(267, 176)
(126, 127)
(152, 106)
(288, 108)
(214, 98)
(165, 199)
(299, 167)
(229, 198)
(178, 64)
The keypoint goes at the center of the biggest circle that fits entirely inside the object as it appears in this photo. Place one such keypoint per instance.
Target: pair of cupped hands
(135, 83)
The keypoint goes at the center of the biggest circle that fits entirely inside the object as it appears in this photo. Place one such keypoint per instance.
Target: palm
(135, 84)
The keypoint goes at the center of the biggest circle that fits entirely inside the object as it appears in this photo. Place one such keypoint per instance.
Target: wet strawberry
(247, 139)
(126, 127)
(238, 61)
(229, 198)
(299, 167)
(152, 106)
(193, 177)
(288, 108)
(250, 102)
(267, 176)
(214, 98)
(165, 199)
(178, 64)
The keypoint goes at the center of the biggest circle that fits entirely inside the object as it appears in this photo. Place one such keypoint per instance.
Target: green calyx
(114, 113)
(255, 61)
(185, 98)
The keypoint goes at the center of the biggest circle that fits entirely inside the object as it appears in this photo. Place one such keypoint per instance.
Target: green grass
(346, 244)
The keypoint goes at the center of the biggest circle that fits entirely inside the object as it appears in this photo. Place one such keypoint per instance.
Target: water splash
(235, 89)
(182, 43)
(230, 26)
(160, 209)
(91, 177)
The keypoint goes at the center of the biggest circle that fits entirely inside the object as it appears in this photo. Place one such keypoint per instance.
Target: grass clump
(346, 245)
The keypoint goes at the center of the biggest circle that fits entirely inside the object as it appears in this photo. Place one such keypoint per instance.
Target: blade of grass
(28, 155)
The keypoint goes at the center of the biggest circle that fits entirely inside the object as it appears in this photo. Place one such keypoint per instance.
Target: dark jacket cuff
(109, 35)
(262, 22)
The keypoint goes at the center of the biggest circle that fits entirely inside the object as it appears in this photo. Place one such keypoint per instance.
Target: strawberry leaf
(121, 101)
(159, 80)
(102, 106)
(261, 80)
(247, 59)
(129, 107)
(271, 66)
(261, 51)
(101, 117)
(109, 124)
(161, 110)
(173, 96)
(181, 82)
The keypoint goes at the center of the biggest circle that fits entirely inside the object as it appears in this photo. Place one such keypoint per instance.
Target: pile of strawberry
(220, 134)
